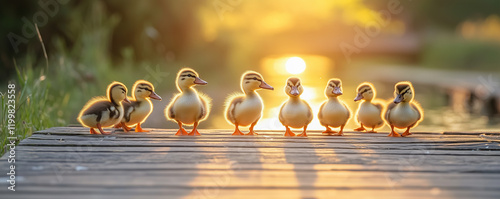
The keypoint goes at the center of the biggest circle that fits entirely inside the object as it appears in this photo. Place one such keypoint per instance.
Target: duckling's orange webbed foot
(194, 132)
(393, 133)
(328, 131)
(288, 132)
(406, 133)
(372, 131)
(102, 131)
(182, 131)
(92, 131)
(341, 132)
(252, 133)
(138, 128)
(360, 129)
(119, 125)
(237, 131)
(303, 134)
(123, 126)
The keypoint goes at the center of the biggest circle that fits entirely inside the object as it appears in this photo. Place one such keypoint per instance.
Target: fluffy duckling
(295, 112)
(333, 112)
(140, 107)
(369, 112)
(104, 111)
(188, 106)
(246, 109)
(404, 112)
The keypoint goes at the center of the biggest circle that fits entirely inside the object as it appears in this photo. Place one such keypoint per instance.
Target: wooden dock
(68, 162)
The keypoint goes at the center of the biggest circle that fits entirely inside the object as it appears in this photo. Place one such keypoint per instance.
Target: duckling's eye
(183, 78)
(288, 84)
(298, 84)
(139, 91)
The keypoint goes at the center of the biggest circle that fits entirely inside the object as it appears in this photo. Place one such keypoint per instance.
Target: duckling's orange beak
(264, 85)
(294, 91)
(199, 81)
(358, 97)
(154, 96)
(126, 100)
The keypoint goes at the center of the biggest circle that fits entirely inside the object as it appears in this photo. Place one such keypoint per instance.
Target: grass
(52, 88)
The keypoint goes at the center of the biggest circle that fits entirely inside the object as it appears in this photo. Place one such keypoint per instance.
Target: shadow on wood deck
(68, 162)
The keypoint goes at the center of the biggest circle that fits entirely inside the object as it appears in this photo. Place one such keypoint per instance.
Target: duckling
(140, 107)
(295, 112)
(404, 112)
(104, 112)
(188, 106)
(369, 112)
(246, 109)
(333, 112)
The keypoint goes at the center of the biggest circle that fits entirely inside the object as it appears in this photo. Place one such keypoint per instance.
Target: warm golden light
(295, 65)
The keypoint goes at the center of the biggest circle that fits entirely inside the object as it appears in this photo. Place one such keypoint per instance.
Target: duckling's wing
(231, 106)
(128, 108)
(309, 112)
(169, 111)
(388, 111)
(282, 120)
(379, 106)
(320, 113)
(98, 107)
(206, 106)
(348, 111)
(417, 107)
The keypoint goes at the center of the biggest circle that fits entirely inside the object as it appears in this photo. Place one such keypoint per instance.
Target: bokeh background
(450, 50)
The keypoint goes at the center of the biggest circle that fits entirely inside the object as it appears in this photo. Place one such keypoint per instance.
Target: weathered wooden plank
(263, 158)
(235, 150)
(256, 179)
(316, 139)
(48, 192)
(218, 166)
(184, 143)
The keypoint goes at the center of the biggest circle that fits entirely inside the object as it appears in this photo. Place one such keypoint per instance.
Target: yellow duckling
(140, 107)
(104, 112)
(246, 109)
(333, 112)
(404, 112)
(369, 112)
(295, 112)
(188, 106)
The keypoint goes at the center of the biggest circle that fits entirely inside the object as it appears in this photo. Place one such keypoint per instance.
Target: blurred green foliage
(451, 52)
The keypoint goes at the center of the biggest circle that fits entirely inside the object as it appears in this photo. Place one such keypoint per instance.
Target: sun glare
(295, 65)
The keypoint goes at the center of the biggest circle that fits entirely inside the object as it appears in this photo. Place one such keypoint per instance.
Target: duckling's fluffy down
(206, 103)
